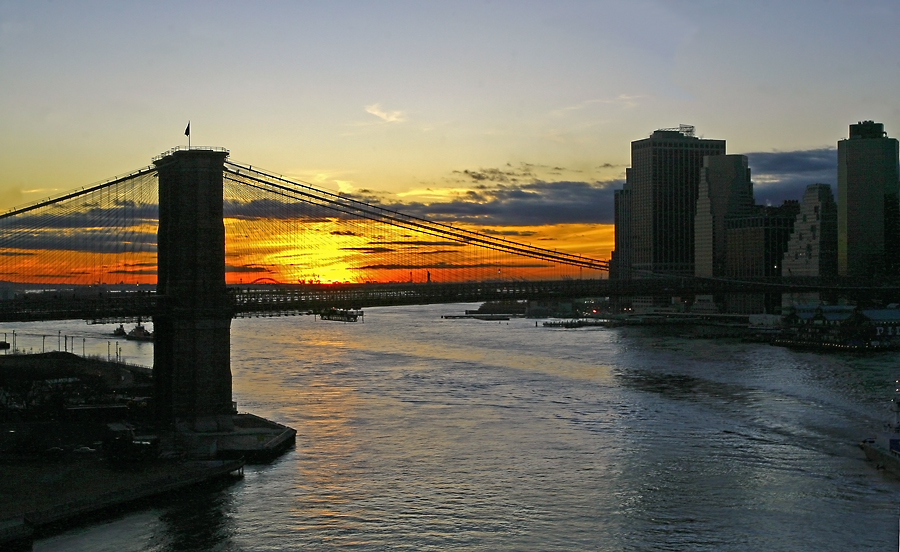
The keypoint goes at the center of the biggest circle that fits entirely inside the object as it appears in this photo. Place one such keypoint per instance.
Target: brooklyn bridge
(194, 240)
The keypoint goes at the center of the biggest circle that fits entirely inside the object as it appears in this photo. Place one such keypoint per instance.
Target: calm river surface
(418, 433)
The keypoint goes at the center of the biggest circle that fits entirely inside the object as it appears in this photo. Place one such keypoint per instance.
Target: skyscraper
(725, 192)
(755, 249)
(868, 202)
(812, 249)
(663, 185)
(620, 265)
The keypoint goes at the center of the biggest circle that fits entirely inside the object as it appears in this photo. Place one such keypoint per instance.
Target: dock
(250, 437)
(476, 316)
(582, 323)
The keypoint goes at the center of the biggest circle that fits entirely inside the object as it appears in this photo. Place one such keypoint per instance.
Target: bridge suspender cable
(442, 231)
(349, 206)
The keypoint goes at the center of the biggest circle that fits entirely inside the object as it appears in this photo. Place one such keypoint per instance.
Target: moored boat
(341, 315)
(139, 333)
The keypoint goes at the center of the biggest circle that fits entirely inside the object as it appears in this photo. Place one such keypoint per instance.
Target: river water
(420, 433)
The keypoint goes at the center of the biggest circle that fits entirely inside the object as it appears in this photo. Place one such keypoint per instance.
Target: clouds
(781, 175)
(88, 240)
(524, 196)
(262, 209)
(521, 204)
(386, 116)
(125, 213)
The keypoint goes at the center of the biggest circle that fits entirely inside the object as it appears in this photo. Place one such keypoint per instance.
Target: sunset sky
(504, 114)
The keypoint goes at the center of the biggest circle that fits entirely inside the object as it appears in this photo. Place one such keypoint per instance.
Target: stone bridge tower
(191, 358)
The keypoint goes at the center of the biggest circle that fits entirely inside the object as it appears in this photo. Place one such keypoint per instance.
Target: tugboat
(120, 331)
(884, 449)
(139, 333)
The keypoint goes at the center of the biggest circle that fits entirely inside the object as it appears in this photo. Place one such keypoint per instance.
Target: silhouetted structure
(868, 202)
(659, 202)
(755, 249)
(620, 258)
(191, 358)
(725, 192)
(812, 248)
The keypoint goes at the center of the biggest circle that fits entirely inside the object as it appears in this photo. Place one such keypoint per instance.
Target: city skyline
(517, 117)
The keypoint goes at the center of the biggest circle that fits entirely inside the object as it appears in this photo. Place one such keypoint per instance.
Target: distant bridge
(291, 299)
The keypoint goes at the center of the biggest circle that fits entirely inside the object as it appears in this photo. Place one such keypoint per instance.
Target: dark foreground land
(51, 491)
(54, 413)
(39, 496)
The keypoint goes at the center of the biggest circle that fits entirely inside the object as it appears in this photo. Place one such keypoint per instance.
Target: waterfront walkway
(45, 492)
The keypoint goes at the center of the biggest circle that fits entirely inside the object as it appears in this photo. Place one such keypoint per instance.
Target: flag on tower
(187, 131)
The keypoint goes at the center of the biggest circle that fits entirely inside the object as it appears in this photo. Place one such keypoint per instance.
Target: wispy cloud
(386, 116)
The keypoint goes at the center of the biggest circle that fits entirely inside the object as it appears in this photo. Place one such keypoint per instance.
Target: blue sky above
(412, 101)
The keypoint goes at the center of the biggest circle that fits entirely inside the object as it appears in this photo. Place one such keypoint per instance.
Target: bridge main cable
(81, 192)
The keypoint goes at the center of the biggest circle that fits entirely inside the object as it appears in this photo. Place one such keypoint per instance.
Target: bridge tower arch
(191, 357)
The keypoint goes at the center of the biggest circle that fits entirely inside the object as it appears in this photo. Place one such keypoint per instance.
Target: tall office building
(725, 192)
(868, 202)
(620, 261)
(812, 249)
(663, 184)
(755, 249)
(756, 243)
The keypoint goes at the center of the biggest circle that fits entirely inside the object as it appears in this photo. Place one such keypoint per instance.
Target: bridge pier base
(192, 368)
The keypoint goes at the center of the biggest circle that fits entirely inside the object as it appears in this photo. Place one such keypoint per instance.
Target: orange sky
(326, 252)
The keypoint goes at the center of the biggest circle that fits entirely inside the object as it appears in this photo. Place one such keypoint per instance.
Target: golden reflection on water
(328, 445)
(487, 347)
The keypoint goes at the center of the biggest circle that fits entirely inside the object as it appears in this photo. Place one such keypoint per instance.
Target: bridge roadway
(286, 299)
